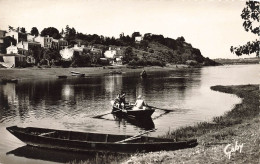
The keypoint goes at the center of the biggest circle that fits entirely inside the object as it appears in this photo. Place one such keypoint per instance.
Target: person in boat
(143, 73)
(139, 104)
(117, 101)
(122, 99)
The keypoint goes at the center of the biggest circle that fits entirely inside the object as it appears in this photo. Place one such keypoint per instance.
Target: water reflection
(146, 124)
(64, 156)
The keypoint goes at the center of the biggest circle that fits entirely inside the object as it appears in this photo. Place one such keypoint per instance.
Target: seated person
(139, 104)
(117, 101)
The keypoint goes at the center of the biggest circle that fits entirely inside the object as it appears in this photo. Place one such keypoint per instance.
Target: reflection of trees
(113, 85)
(7, 100)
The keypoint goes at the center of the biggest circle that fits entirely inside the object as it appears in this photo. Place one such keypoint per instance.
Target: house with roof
(30, 37)
(12, 49)
(45, 41)
(18, 36)
(59, 44)
(114, 55)
(138, 39)
(28, 45)
(12, 58)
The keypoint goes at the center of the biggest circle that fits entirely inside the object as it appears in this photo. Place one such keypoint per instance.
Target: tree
(129, 55)
(135, 34)
(34, 31)
(22, 29)
(250, 15)
(11, 28)
(180, 39)
(52, 32)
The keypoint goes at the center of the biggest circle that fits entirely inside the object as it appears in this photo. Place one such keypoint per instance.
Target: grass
(103, 158)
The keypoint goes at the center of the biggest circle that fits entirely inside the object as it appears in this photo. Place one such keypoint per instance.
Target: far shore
(54, 72)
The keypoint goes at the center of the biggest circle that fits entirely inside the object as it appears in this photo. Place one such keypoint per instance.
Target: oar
(99, 116)
(167, 110)
(136, 136)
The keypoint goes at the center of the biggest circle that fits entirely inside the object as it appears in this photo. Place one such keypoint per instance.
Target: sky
(209, 25)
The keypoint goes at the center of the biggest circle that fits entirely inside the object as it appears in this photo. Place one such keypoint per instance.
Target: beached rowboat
(80, 141)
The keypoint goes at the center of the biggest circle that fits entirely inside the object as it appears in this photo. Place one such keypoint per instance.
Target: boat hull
(137, 114)
(76, 141)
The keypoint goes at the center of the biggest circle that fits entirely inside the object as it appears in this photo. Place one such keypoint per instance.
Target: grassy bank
(241, 124)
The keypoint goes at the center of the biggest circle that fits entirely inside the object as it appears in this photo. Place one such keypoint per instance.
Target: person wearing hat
(139, 104)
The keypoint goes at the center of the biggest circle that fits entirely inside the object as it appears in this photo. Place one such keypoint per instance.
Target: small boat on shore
(115, 72)
(84, 141)
(129, 112)
(62, 77)
(78, 74)
(9, 81)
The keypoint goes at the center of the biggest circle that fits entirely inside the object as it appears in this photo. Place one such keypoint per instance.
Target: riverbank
(43, 73)
(240, 125)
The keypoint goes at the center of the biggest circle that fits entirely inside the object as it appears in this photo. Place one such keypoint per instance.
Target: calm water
(69, 104)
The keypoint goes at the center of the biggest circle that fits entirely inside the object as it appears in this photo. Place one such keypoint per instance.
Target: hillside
(183, 53)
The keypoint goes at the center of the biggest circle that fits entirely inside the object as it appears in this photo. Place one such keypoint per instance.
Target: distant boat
(84, 141)
(62, 77)
(115, 72)
(9, 80)
(74, 73)
(78, 75)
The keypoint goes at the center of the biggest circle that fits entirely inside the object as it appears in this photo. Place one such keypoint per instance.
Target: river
(70, 104)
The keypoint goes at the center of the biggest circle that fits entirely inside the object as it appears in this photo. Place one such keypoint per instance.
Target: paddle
(99, 116)
(136, 136)
(167, 110)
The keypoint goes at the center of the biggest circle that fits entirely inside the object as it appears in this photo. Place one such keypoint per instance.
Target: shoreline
(240, 126)
(54, 72)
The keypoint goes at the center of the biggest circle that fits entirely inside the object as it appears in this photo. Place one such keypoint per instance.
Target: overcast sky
(210, 25)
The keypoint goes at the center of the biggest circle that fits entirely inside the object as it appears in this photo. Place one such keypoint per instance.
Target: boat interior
(90, 137)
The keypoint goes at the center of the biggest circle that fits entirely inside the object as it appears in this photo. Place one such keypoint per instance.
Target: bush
(64, 63)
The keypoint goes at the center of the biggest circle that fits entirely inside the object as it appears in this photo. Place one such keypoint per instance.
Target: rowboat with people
(85, 141)
(129, 111)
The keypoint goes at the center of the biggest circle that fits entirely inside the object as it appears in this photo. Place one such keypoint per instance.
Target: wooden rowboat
(80, 141)
(128, 112)
(9, 80)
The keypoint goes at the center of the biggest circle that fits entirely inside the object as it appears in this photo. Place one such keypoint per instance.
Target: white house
(111, 53)
(138, 38)
(12, 60)
(30, 37)
(40, 39)
(12, 49)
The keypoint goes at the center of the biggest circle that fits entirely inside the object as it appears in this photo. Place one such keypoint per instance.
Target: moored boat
(81, 141)
(62, 77)
(9, 80)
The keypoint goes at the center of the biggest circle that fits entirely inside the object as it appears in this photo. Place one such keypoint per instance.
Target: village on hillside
(73, 49)
(17, 49)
